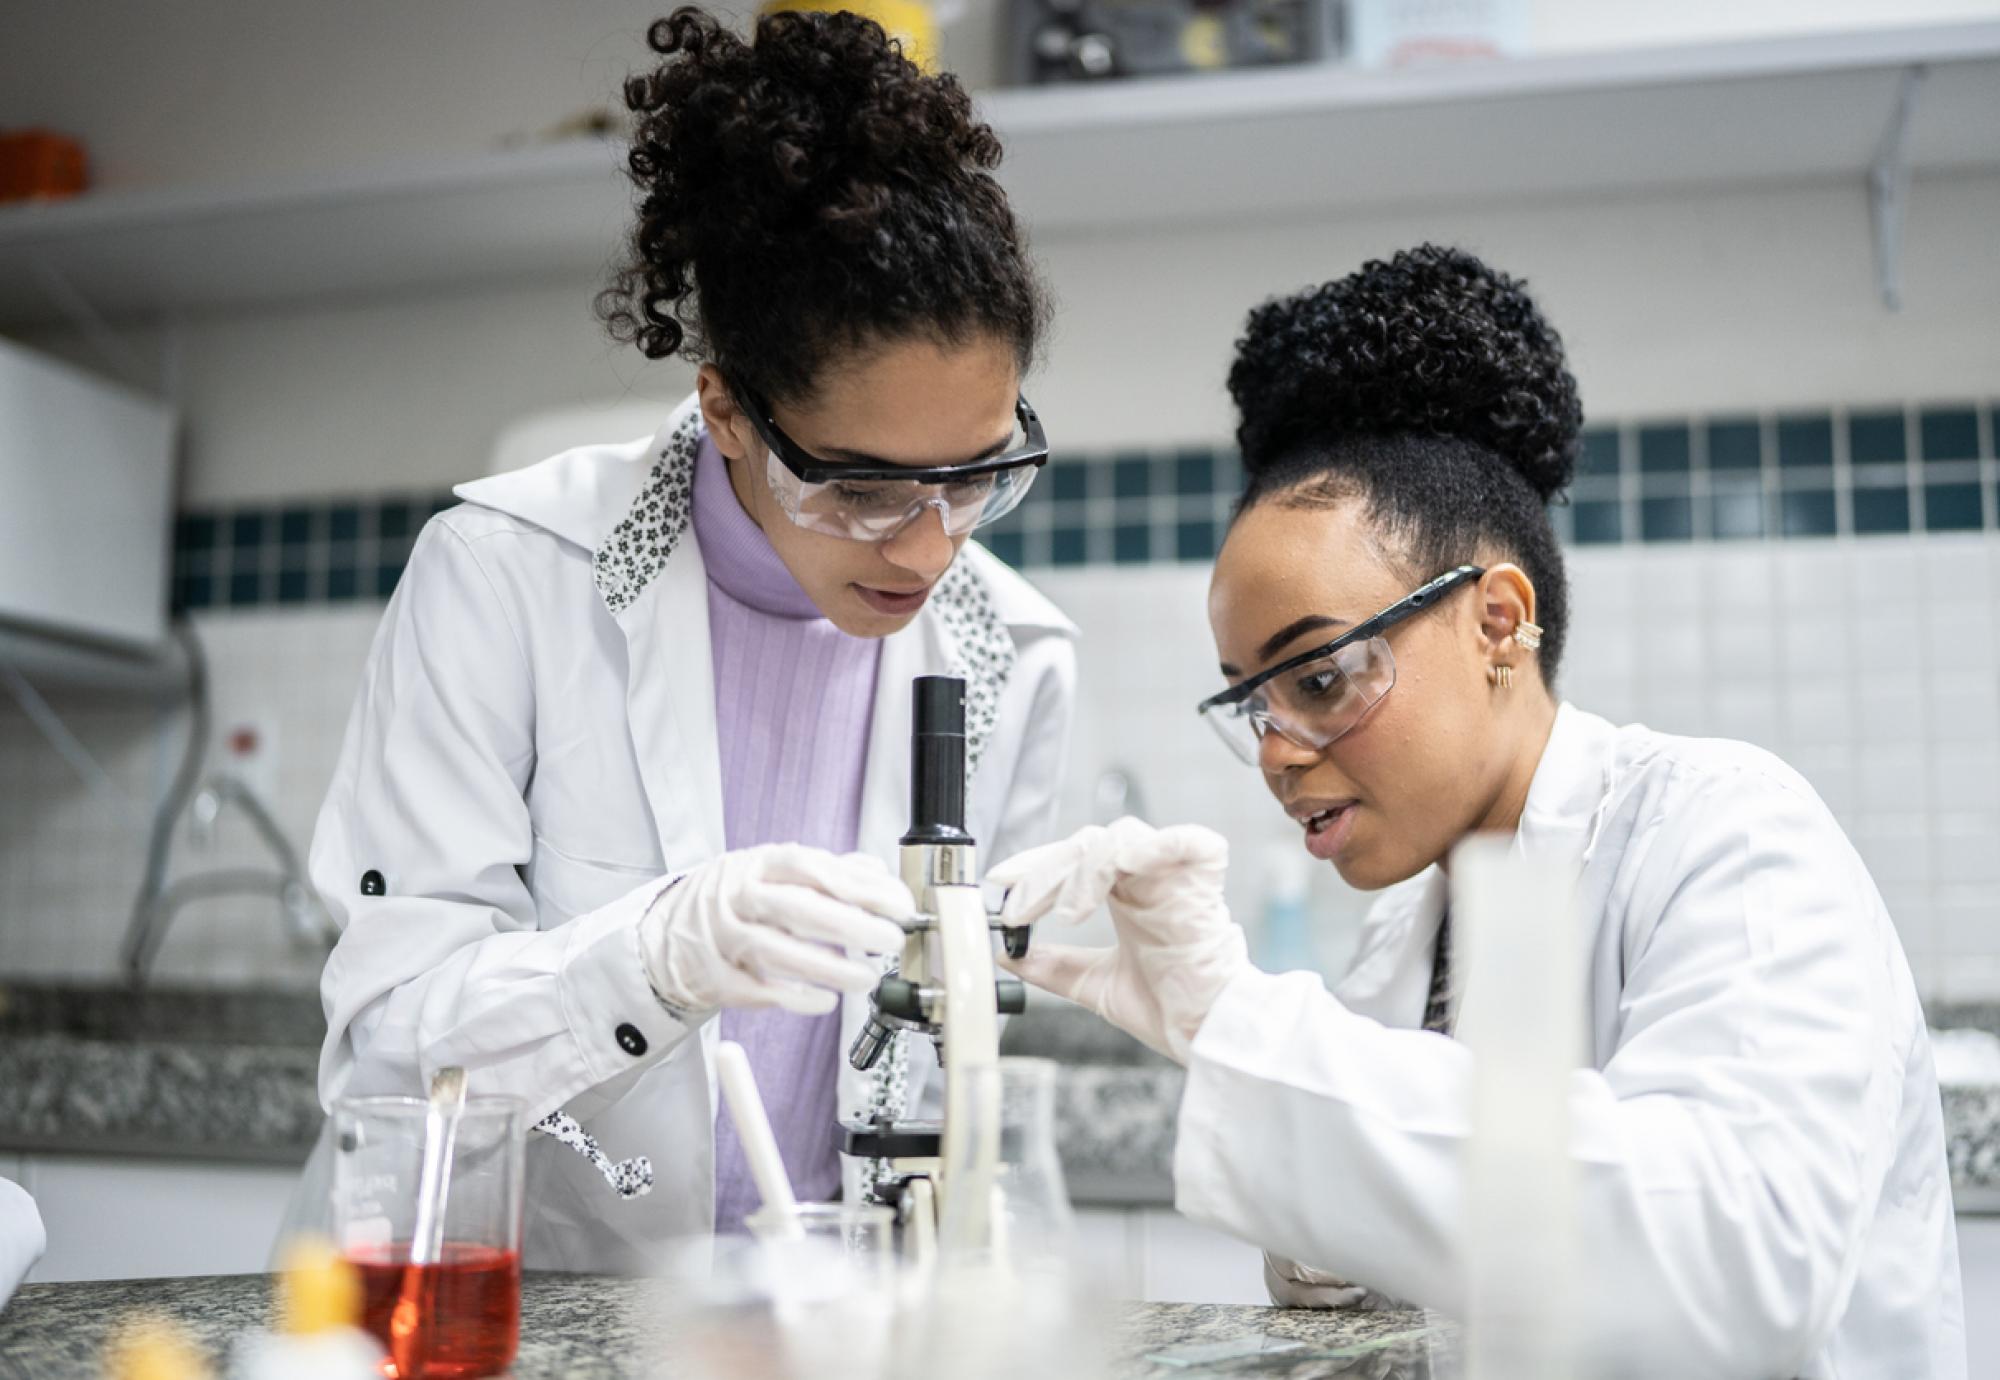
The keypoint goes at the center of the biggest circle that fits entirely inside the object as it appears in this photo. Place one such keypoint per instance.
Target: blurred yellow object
(318, 1335)
(912, 21)
(150, 1347)
(317, 1290)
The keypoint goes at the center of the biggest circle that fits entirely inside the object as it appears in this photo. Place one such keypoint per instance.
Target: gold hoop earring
(1502, 676)
(1527, 636)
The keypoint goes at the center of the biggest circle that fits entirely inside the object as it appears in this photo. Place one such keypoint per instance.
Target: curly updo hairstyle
(1431, 389)
(806, 196)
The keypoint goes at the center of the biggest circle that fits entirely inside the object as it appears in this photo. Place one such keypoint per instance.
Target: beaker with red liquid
(459, 1316)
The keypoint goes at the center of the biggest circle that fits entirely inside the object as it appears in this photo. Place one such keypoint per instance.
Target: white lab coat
(1760, 1147)
(22, 1237)
(533, 748)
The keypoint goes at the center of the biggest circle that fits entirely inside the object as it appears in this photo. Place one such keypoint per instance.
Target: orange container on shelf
(40, 165)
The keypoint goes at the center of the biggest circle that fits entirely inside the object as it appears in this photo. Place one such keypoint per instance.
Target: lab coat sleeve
(22, 1238)
(448, 967)
(1729, 1153)
(1033, 796)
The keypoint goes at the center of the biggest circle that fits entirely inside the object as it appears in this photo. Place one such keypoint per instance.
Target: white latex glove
(1293, 1285)
(752, 928)
(1177, 947)
(22, 1239)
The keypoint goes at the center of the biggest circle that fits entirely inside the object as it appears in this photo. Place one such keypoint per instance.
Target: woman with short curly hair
(1759, 1173)
(632, 745)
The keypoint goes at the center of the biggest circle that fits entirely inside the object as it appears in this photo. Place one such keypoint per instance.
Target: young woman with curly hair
(1760, 1171)
(631, 748)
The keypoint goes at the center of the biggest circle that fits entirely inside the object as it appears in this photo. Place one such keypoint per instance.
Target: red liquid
(463, 1318)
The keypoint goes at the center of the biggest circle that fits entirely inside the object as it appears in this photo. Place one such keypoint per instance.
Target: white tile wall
(71, 856)
(1869, 665)
(1873, 666)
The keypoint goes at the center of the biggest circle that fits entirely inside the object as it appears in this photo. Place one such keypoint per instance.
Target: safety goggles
(1314, 697)
(864, 502)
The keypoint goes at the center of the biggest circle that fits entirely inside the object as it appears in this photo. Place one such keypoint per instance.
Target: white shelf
(1239, 146)
(1250, 145)
(492, 218)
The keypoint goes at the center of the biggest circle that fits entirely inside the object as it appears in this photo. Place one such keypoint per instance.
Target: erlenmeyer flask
(1006, 1298)
(1023, 1217)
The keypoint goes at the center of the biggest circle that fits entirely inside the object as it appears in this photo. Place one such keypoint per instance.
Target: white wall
(72, 855)
(1668, 304)
(1872, 665)
(1697, 302)
(1686, 303)
(1753, 299)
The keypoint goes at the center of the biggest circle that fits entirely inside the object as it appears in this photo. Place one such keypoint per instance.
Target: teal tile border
(335, 551)
(1868, 470)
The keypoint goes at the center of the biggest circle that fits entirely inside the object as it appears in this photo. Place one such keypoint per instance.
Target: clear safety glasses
(1314, 697)
(863, 502)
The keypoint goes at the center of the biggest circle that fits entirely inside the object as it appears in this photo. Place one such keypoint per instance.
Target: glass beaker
(832, 1274)
(860, 1234)
(817, 1305)
(468, 1303)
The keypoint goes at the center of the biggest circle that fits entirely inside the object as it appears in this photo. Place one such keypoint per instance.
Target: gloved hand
(751, 928)
(1293, 1285)
(22, 1239)
(1177, 947)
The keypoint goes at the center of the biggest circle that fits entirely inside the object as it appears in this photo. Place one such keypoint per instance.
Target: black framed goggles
(863, 502)
(1316, 696)
(1030, 447)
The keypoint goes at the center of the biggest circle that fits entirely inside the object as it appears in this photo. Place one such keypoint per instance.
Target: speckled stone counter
(1972, 1146)
(1386, 1344)
(590, 1328)
(229, 1075)
(1116, 1102)
(220, 1075)
(571, 1325)
(1971, 1116)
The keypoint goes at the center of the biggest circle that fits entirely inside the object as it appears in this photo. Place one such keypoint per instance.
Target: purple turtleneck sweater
(793, 700)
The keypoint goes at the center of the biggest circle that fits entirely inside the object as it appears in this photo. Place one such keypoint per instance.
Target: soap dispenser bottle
(1285, 939)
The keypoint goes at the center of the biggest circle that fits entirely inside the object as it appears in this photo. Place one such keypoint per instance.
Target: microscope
(945, 988)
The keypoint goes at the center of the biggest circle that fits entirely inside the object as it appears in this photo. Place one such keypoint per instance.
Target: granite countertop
(1116, 1102)
(196, 1073)
(585, 1327)
(229, 1075)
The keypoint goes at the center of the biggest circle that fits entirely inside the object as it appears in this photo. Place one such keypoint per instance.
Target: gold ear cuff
(1527, 636)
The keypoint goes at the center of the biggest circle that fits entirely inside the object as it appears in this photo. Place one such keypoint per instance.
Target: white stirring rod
(753, 1130)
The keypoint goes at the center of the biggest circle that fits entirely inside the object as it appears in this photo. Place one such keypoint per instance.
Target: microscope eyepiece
(937, 762)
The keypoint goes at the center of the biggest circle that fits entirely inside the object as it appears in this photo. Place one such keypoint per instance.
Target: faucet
(159, 903)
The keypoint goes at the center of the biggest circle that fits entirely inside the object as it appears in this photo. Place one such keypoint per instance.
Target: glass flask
(1007, 1297)
(1024, 1215)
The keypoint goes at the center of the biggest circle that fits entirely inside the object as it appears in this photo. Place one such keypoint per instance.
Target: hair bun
(1432, 342)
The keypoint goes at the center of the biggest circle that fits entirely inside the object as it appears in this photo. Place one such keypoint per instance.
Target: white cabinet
(137, 1219)
(1188, 1263)
(87, 470)
(1159, 1256)
(1979, 1269)
(1107, 1241)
